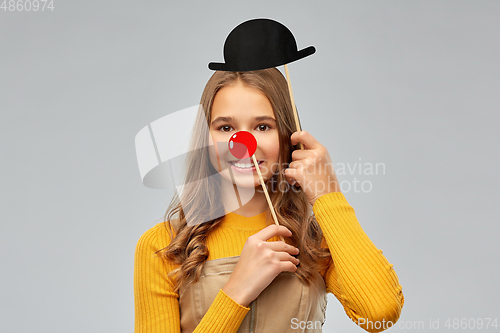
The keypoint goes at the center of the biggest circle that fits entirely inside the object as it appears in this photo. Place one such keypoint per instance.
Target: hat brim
(218, 66)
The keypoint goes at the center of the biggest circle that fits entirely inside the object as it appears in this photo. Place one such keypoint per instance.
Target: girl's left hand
(311, 167)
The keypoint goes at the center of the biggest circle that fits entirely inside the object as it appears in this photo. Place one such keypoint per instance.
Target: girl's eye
(223, 126)
(261, 127)
(265, 125)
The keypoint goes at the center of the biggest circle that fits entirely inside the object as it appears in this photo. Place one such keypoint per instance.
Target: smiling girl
(197, 272)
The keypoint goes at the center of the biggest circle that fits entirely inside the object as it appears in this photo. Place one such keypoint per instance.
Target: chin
(241, 181)
(246, 183)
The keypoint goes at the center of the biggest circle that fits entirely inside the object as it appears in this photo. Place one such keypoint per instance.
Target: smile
(242, 166)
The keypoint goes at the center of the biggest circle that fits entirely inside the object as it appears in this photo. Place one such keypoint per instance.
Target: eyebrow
(230, 119)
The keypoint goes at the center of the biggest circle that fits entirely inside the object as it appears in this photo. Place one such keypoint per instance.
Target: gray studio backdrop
(410, 85)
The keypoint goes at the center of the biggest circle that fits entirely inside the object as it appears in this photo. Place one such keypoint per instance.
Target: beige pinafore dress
(286, 305)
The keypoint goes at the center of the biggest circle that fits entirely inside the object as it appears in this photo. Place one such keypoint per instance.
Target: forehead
(239, 101)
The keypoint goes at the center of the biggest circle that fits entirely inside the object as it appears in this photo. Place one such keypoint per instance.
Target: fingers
(280, 253)
(301, 154)
(283, 256)
(271, 231)
(287, 266)
(285, 253)
(293, 176)
(307, 139)
(304, 157)
(280, 246)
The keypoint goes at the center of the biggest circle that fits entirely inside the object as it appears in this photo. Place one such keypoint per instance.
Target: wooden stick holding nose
(273, 213)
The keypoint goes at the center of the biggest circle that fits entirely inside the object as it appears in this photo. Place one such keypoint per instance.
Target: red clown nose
(242, 144)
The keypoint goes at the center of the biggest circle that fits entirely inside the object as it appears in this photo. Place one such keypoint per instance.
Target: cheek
(271, 148)
(212, 153)
(213, 157)
(275, 152)
(218, 154)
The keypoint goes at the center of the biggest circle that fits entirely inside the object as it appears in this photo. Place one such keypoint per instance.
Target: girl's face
(240, 108)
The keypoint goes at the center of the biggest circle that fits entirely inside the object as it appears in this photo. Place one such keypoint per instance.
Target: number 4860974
(471, 323)
(27, 5)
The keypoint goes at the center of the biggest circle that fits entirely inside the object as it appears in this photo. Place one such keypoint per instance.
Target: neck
(243, 200)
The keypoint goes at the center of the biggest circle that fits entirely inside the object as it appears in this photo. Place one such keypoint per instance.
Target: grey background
(410, 84)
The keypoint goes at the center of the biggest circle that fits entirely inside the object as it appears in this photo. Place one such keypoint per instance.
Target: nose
(242, 144)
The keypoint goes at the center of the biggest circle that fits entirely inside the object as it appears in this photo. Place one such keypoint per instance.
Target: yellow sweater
(360, 277)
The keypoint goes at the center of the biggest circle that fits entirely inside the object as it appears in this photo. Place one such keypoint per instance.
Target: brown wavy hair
(188, 246)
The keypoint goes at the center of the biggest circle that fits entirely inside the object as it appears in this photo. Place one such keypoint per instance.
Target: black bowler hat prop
(259, 44)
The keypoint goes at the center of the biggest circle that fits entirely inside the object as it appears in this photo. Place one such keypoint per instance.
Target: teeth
(243, 165)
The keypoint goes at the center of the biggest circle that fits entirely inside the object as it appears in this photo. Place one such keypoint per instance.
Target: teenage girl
(209, 268)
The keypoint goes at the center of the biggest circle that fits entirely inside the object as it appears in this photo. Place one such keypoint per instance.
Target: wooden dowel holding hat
(295, 114)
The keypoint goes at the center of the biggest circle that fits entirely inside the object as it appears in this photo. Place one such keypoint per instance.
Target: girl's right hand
(259, 263)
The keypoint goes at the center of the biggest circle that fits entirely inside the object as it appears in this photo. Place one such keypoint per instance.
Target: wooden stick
(295, 114)
(273, 213)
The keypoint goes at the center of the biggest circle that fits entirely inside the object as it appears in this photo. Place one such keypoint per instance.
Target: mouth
(244, 165)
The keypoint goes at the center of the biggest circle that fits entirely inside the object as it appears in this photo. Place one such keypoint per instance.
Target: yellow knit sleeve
(360, 276)
(157, 305)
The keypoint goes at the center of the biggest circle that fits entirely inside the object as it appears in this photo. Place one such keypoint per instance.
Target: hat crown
(258, 44)
(254, 39)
